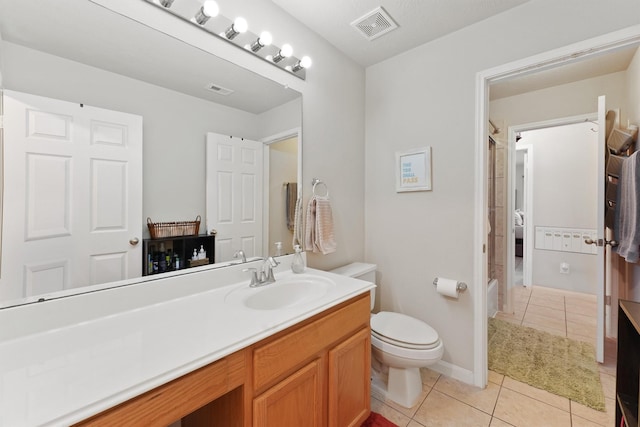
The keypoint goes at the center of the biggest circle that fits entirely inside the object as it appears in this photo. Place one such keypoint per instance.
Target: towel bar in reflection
(315, 182)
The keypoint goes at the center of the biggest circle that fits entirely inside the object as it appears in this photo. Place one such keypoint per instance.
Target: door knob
(601, 242)
(134, 241)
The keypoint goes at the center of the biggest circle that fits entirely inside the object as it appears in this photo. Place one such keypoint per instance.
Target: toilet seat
(403, 336)
(404, 331)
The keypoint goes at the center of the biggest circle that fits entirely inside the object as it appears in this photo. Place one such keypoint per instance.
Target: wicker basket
(158, 230)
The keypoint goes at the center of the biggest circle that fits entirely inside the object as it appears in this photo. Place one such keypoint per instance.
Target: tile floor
(506, 402)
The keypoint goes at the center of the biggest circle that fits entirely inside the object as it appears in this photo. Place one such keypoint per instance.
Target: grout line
(571, 412)
(496, 404)
(467, 404)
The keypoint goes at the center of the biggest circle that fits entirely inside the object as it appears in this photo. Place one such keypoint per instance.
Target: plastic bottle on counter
(278, 249)
(297, 265)
(162, 259)
(194, 257)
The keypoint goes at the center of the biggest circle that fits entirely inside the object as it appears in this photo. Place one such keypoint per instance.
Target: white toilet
(400, 346)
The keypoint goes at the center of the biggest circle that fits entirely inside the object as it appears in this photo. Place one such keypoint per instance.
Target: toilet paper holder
(460, 286)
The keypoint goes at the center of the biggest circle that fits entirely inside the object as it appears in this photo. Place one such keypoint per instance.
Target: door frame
(544, 61)
(281, 136)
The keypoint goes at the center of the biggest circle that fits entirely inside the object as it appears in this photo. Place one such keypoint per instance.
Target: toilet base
(402, 386)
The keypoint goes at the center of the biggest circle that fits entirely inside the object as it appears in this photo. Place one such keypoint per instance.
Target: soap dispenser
(297, 265)
(202, 254)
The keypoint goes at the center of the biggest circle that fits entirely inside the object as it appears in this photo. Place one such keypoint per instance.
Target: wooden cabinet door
(349, 381)
(294, 401)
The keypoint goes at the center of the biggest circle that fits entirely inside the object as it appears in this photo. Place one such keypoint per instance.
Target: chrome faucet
(267, 269)
(240, 254)
(266, 273)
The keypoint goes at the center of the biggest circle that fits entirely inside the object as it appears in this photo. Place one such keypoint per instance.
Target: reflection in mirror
(121, 67)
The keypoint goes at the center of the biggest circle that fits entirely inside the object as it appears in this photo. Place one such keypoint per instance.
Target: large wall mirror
(78, 52)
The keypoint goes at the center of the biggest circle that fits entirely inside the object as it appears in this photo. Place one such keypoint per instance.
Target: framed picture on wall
(413, 170)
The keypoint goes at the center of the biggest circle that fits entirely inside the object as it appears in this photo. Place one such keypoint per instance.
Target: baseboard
(453, 371)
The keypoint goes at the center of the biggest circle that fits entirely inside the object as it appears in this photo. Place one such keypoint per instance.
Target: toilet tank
(362, 271)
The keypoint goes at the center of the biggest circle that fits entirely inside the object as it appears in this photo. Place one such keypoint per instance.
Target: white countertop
(75, 368)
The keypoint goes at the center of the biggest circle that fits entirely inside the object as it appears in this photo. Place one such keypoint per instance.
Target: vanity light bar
(208, 19)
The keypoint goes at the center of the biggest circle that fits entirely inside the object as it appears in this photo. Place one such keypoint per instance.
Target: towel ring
(315, 182)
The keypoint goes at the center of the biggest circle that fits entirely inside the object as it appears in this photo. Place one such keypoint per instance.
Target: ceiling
(106, 43)
(82, 31)
(419, 21)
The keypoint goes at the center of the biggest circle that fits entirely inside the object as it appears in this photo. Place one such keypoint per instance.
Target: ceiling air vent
(219, 89)
(374, 24)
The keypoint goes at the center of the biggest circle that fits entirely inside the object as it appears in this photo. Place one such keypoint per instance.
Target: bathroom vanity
(315, 373)
(212, 352)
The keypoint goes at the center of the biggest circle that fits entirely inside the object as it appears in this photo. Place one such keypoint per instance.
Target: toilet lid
(403, 330)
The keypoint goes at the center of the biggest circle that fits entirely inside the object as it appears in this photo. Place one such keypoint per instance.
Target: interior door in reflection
(73, 198)
(234, 194)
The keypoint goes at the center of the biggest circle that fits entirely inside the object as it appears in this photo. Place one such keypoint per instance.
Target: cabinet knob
(134, 241)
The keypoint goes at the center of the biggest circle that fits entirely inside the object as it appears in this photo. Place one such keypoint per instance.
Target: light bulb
(265, 38)
(240, 25)
(286, 50)
(305, 62)
(209, 9)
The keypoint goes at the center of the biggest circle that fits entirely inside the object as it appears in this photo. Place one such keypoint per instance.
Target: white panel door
(234, 195)
(73, 196)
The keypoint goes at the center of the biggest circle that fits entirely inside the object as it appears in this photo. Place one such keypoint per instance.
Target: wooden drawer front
(295, 401)
(285, 354)
(173, 400)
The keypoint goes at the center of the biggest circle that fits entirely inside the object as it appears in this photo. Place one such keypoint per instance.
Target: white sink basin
(291, 291)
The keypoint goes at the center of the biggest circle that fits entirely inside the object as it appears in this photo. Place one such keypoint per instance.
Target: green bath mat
(562, 366)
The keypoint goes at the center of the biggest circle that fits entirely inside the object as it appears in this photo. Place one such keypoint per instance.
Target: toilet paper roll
(447, 287)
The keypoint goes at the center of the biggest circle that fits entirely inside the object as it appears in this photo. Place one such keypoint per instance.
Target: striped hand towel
(319, 231)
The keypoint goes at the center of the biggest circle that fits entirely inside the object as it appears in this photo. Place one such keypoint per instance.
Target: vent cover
(374, 24)
(219, 89)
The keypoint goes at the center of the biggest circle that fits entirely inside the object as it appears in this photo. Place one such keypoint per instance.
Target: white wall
(284, 118)
(427, 97)
(565, 166)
